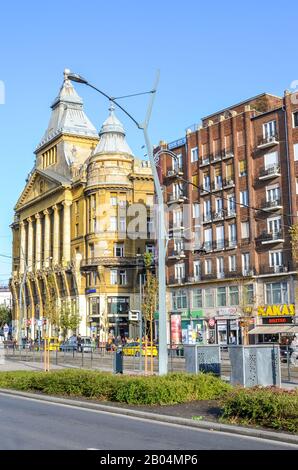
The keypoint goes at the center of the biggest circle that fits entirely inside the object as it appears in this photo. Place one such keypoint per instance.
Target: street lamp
(163, 353)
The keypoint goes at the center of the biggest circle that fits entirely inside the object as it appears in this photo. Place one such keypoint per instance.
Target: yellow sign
(276, 310)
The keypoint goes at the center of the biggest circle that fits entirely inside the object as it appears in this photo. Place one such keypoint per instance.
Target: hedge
(263, 406)
(151, 390)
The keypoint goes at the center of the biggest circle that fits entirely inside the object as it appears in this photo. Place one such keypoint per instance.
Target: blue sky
(211, 54)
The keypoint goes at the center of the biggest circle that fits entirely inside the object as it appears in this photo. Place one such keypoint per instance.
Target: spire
(112, 135)
(68, 115)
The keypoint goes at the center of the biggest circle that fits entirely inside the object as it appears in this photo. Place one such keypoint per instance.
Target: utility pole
(141, 324)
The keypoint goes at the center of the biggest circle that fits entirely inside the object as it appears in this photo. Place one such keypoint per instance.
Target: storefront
(193, 324)
(118, 308)
(227, 326)
(275, 323)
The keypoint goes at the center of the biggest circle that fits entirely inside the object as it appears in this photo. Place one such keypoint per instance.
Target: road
(32, 424)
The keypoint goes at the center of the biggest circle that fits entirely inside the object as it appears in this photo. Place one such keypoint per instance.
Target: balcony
(207, 246)
(176, 199)
(268, 141)
(176, 254)
(220, 275)
(204, 161)
(273, 269)
(216, 187)
(231, 244)
(271, 205)
(174, 173)
(91, 264)
(218, 215)
(176, 231)
(227, 154)
(205, 190)
(272, 171)
(207, 218)
(230, 183)
(219, 245)
(230, 213)
(216, 158)
(271, 237)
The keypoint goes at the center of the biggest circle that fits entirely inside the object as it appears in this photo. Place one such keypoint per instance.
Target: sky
(210, 55)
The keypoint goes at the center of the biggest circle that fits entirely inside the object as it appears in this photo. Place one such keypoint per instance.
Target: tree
(5, 315)
(51, 307)
(247, 307)
(149, 300)
(69, 318)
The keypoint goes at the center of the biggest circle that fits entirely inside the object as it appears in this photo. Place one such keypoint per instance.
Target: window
(231, 204)
(197, 270)
(76, 230)
(113, 200)
(178, 245)
(207, 209)
(240, 138)
(220, 237)
(197, 298)
(269, 129)
(194, 154)
(296, 152)
(220, 267)
(113, 277)
(218, 180)
(208, 266)
(245, 263)
(195, 180)
(296, 185)
(196, 210)
(177, 218)
(233, 295)
(221, 297)
(180, 271)
(230, 173)
(208, 238)
(206, 182)
(179, 299)
(218, 205)
(228, 142)
(271, 160)
(244, 198)
(295, 119)
(242, 168)
(118, 249)
(209, 298)
(275, 258)
(272, 193)
(232, 263)
(248, 294)
(274, 225)
(204, 150)
(177, 162)
(245, 229)
(216, 147)
(277, 293)
(122, 224)
(113, 223)
(91, 250)
(232, 235)
(177, 193)
(122, 277)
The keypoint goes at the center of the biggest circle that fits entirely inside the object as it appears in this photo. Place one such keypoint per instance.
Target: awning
(293, 329)
(271, 330)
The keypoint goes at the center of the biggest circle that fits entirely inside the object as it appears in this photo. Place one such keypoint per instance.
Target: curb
(206, 425)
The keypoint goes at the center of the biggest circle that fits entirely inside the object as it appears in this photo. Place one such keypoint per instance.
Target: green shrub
(151, 390)
(264, 406)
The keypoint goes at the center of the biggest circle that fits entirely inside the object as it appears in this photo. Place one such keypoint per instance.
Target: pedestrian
(294, 349)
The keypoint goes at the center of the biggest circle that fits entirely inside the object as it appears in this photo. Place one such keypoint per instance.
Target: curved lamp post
(162, 336)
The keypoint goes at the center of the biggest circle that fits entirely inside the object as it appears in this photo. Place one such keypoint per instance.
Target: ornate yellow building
(71, 223)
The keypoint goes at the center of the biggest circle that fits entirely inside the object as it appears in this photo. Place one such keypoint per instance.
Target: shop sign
(90, 291)
(277, 320)
(185, 314)
(196, 313)
(211, 322)
(227, 311)
(276, 310)
(156, 315)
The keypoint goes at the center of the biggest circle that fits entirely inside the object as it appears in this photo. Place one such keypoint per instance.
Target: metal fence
(101, 359)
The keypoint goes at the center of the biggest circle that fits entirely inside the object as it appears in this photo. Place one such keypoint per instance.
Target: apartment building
(231, 188)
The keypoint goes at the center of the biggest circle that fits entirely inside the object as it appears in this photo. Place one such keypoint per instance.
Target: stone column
(38, 242)
(66, 232)
(23, 250)
(56, 236)
(30, 244)
(47, 238)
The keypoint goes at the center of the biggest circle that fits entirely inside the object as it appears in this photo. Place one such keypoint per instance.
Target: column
(47, 239)
(30, 244)
(23, 250)
(37, 242)
(56, 235)
(66, 232)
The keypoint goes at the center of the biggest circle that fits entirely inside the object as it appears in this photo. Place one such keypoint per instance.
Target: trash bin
(118, 362)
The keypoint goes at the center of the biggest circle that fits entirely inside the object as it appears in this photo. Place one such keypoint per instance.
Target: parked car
(85, 344)
(133, 349)
(71, 344)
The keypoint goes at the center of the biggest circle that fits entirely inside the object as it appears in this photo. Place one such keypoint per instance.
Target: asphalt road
(31, 424)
